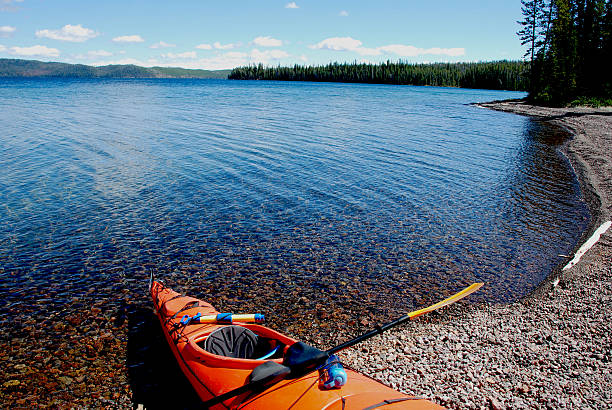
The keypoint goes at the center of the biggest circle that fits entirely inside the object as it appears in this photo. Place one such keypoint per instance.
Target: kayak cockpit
(239, 342)
(240, 347)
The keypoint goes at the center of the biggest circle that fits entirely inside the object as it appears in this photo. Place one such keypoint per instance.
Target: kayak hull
(212, 375)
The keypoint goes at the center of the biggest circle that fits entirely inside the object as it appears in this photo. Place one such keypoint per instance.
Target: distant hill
(33, 68)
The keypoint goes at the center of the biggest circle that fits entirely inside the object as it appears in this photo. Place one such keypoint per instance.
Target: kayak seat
(239, 342)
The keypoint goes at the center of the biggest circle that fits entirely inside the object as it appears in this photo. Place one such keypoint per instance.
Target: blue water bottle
(332, 374)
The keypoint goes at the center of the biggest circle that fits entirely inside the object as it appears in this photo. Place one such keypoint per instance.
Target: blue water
(278, 196)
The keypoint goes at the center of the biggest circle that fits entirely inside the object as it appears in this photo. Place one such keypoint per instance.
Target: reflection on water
(321, 201)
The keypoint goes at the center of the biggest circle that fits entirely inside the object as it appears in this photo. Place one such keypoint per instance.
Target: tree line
(569, 47)
(496, 75)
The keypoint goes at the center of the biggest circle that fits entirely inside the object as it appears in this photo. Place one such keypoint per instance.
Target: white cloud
(343, 13)
(135, 38)
(303, 58)
(411, 51)
(337, 44)
(292, 5)
(2, 48)
(224, 60)
(35, 51)
(187, 54)
(220, 46)
(345, 44)
(162, 44)
(76, 34)
(267, 41)
(351, 44)
(204, 46)
(6, 31)
(257, 56)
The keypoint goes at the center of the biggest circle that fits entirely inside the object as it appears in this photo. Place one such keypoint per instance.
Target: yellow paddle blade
(457, 296)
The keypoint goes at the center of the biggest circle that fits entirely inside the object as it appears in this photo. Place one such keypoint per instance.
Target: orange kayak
(216, 373)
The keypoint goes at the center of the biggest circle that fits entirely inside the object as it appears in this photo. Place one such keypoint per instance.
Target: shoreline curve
(549, 349)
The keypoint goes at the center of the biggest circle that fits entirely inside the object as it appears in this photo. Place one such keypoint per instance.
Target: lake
(310, 202)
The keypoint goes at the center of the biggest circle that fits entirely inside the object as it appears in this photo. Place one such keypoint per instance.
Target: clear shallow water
(289, 198)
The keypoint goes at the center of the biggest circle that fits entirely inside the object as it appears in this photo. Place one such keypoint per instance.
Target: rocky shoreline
(551, 350)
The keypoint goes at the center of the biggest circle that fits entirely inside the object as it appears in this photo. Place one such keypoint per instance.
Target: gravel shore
(551, 350)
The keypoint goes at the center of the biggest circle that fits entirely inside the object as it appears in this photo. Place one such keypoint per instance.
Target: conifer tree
(561, 60)
(574, 48)
(533, 10)
(606, 50)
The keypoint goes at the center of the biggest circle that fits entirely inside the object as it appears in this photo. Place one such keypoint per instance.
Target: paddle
(379, 329)
(302, 359)
(223, 318)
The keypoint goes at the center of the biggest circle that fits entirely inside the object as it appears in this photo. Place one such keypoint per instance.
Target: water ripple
(281, 190)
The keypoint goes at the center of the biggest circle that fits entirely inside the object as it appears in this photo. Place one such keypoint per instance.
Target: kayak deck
(212, 375)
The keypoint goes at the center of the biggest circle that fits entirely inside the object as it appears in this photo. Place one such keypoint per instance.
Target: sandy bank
(552, 350)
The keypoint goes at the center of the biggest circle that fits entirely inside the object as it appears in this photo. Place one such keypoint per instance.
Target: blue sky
(221, 34)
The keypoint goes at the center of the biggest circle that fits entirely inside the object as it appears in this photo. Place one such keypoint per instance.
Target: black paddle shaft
(376, 331)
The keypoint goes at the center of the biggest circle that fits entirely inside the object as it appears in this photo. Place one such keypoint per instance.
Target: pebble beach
(549, 350)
